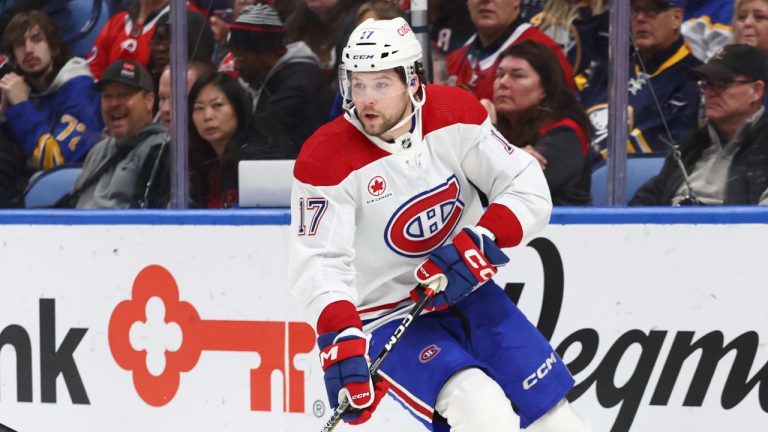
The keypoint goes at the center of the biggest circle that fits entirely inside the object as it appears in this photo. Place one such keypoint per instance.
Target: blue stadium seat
(80, 21)
(45, 188)
(639, 170)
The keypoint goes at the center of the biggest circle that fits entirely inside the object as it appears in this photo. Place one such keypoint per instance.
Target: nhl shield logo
(424, 222)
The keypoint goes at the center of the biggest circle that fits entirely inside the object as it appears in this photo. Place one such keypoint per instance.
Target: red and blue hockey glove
(455, 269)
(344, 358)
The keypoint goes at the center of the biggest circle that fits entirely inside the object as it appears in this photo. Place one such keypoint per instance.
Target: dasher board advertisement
(185, 327)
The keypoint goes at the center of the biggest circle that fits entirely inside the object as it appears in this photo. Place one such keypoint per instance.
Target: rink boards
(663, 323)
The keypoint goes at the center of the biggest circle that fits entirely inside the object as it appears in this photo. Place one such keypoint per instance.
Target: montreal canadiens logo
(377, 186)
(429, 353)
(425, 221)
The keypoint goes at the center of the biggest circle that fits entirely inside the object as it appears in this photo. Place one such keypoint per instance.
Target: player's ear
(416, 82)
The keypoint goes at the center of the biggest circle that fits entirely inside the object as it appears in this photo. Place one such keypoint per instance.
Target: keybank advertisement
(158, 328)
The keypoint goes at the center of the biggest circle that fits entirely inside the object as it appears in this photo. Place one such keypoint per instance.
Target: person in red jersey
(499, 26)
(127, 35)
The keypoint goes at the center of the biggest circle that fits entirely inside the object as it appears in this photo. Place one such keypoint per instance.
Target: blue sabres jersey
(667, 76)
(707, 26)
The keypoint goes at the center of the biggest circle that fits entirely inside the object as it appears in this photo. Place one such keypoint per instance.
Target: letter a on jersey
(424, 222)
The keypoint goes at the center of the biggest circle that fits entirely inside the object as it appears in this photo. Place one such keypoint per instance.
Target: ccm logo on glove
(472, 244)
(455, 269)
(475, 259)
(360, 396)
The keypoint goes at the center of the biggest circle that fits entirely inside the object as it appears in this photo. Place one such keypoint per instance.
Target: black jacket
(293, 102)
(748, 175)
(13, 174)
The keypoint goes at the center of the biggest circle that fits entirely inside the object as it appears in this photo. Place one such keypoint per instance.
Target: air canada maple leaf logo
(377, 186)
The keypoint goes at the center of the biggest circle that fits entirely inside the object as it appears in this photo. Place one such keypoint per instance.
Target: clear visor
(365, 87)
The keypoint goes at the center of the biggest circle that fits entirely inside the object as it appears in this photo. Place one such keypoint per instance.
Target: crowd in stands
(262, 76)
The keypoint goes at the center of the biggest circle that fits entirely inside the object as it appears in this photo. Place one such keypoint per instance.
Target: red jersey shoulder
(333, 152)
(448, 105)
(456, 59)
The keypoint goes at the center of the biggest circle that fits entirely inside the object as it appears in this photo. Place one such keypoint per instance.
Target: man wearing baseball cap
(726, 161)
(129, 168)
(663, 104)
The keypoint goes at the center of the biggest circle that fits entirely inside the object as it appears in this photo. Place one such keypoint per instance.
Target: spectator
(663, 103)
(499, 25)
(750, 23)
(127, 35)
(199, 43)
(580, 27)
(220, 111)
(324, 25)
(222, 13)
(51, 109)
(534, 110)
(195, 70)
(726, 160)
(291, 97)
(128, 168)
(227, 63)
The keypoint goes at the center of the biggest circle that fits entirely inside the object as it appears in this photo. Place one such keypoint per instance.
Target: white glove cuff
(484, 231)
(354, 331)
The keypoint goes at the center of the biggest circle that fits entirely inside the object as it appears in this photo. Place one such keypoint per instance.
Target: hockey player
(388, 189)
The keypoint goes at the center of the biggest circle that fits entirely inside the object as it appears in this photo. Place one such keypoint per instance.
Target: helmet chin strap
(416, 107)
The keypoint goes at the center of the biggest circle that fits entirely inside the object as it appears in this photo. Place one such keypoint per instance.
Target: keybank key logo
(157, 370)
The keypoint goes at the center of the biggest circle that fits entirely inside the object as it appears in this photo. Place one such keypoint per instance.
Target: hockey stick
(374, 368)
(4, 428)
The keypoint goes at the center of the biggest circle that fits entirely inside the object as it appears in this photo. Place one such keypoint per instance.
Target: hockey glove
(344, 358)
(455, 269)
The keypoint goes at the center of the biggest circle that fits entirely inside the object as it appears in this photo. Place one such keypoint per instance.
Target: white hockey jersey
(365, 213)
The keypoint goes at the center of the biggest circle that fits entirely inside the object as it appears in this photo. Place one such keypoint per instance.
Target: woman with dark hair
(220, 112)
(536, 110)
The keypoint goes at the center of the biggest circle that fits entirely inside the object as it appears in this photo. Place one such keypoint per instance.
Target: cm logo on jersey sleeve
(424, 222)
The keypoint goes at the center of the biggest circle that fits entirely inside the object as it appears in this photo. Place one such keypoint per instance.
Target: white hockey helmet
(377, 45)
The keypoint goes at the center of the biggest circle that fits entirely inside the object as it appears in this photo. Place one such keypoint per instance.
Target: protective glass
(720, 86)
(362, 87)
